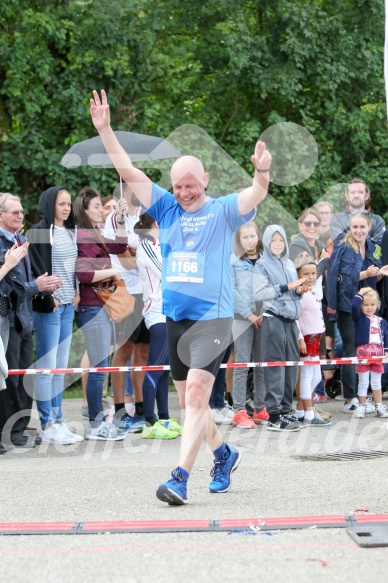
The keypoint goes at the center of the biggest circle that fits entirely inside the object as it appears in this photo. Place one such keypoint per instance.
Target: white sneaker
(370, 408)
(339, 397)
(381, 410)
(227, 411)
(352, 406)
(222, 416)
(105, 432)
(360, 411)
(68, 430)
(57, 436)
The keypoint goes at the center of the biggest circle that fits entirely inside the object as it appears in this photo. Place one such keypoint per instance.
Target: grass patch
(73, 392)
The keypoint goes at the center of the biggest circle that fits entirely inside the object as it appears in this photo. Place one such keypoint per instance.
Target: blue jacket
(344, 274)
(243, 298)
(362, 324)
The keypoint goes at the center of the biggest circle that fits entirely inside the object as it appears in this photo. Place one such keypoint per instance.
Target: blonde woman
(355, 263)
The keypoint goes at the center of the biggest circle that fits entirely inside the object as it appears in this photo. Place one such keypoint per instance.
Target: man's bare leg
(139, 358)
(199, 423)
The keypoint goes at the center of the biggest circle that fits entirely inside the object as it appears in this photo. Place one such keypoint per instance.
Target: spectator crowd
(328, 280)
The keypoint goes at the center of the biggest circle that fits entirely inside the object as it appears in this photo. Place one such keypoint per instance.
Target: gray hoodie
(271, 276)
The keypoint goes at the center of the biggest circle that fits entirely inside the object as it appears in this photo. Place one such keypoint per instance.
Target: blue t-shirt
(196, 249)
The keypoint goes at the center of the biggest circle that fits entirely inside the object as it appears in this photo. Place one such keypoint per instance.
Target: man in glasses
(16, 399)
(357, 197)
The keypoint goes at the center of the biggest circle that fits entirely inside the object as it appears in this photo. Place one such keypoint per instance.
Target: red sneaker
(261, 417)
(242, 419)
(319, 398)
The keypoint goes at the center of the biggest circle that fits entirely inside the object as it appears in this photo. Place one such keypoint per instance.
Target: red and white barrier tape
(350, 360)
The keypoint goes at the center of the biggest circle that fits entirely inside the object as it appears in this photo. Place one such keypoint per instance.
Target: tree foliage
(234, 68)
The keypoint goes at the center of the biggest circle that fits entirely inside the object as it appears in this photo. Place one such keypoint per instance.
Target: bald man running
(196, 234)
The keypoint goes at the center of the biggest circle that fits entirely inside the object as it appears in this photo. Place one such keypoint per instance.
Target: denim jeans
(97, 329)
(128, 387)
(53, 333)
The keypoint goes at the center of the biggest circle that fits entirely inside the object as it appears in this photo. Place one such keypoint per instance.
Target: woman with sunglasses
(307, 240)
(308, 244)
(356, 262)
(94, 265)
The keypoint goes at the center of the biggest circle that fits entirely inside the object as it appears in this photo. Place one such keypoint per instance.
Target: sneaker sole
(137, 430)
(53, 442)
(234, 468)
(316, 425)
(98, 438)
(243, 426)
(272, 428)
(78, 439)
(166, 495)
(260, 421)
(158, 437)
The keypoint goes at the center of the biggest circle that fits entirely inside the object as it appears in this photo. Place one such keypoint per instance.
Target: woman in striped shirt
(53, 250)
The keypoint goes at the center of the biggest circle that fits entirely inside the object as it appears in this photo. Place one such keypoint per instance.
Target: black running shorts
(197, 344)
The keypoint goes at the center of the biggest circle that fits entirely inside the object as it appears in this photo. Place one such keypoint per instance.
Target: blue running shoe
(174, 492)
(124, 422)
(135, 424)
(223, 469)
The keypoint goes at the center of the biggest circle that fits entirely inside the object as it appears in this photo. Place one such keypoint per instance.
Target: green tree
(233, 68)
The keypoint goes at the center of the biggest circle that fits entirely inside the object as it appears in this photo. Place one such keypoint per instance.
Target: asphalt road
(278, 477)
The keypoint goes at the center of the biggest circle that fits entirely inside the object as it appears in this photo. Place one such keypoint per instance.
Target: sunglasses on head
(309, 223)
(90, 194)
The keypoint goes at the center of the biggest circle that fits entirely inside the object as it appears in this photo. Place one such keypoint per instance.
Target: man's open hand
(99, 110)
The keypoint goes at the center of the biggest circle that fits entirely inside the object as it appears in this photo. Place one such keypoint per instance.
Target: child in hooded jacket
(276, 284)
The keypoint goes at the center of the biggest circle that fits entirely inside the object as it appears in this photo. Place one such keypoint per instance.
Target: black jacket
(40, 235)
(41, 238)
(20, 286)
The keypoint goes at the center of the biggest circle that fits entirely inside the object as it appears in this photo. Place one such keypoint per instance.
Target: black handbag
(43, 303)
(4, 305)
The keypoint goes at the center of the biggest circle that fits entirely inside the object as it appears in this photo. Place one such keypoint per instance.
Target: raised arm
(135, 178)
(255, 194)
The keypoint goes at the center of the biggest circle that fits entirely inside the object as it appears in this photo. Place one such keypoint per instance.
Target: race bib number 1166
(185, 267)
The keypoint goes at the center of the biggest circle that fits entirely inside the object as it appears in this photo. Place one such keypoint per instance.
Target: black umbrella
(140, 148)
